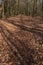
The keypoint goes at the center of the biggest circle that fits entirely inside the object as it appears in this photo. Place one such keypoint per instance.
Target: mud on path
(21, 43)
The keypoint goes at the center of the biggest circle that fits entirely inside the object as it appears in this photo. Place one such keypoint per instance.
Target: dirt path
(21, 46)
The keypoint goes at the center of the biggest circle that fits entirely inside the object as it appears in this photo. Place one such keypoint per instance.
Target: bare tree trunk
(3, 9)
(33, 8)
(42, 9)
(26, 10)
(18, 7)
(36, 8)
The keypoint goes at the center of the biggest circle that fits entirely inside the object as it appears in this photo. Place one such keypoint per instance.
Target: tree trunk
(42, 9)
(3, 9)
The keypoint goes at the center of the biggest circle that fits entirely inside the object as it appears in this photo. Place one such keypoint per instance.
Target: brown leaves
(25, 47)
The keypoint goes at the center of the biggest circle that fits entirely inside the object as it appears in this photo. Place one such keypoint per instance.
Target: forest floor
(21, 40)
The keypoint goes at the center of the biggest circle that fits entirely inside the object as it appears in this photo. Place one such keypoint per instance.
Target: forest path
(24, 42)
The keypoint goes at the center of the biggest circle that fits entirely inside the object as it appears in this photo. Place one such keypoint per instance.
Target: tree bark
(42, 9)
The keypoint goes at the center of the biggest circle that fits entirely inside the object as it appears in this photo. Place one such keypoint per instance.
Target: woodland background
(21, 32)
(10, 8)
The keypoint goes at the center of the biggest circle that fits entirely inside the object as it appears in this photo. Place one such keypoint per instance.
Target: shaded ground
(21, 41)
